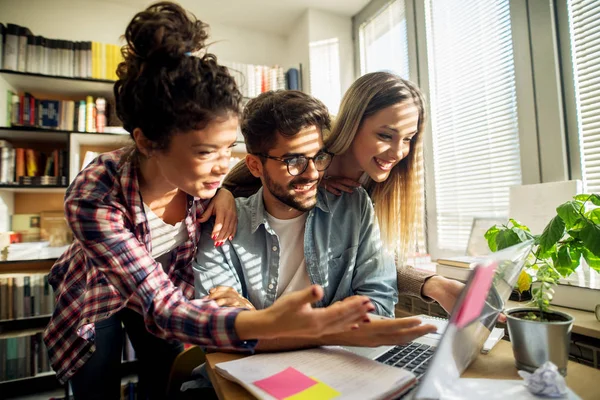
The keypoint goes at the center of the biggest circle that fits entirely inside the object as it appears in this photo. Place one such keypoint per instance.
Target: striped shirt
(109, 266)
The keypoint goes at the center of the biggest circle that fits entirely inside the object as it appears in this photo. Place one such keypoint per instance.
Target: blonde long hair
(398, 200)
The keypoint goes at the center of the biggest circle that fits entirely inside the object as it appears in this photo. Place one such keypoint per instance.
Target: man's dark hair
(283, 112)
(162, 88)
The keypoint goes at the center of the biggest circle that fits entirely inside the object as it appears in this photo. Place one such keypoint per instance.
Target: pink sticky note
(285, 383)
(474, 301)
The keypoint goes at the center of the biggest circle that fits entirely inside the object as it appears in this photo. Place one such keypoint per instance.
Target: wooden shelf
(75, 87)
(37, 134)
(34, 188)
(23, 326)
(26, 266)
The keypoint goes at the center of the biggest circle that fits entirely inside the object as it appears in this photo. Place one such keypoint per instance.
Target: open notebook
(320, 374)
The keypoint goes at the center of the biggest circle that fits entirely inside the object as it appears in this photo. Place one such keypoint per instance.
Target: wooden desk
(498, 363)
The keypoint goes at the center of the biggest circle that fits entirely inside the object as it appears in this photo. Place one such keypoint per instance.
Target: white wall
(325, 25)
(298, 53)
(106, 22)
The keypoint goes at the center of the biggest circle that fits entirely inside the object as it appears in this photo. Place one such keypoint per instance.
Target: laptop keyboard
(414, 357)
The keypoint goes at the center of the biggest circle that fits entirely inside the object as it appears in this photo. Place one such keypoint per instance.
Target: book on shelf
(22, 357)
(467, 262)
(25, 296)
(25, 52)
(25, 166)
(253, 80)
(27, 111)
(324, 372)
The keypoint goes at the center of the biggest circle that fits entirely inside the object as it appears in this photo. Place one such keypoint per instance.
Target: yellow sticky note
(320, 391)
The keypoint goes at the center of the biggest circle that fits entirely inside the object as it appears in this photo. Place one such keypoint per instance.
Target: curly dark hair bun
(163, 89)
(164, 30)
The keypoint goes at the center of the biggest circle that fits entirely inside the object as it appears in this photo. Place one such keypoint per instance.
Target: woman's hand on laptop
(226, 296)
(382, 332)
(293, 316)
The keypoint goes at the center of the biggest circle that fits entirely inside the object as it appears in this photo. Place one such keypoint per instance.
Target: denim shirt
(342, 248)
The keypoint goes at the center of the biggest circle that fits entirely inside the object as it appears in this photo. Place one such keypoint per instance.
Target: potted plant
(537, 333)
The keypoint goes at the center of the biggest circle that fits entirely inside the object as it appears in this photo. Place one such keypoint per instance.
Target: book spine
(16, 106)
(81, 118)
(11, 47)
(100, 114)
(22, 55)
(27, 297)
(90, 115)
(2, 39)
(29, 64)
(3, 299)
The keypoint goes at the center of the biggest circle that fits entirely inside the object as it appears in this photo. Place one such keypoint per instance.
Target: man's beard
(288, 198)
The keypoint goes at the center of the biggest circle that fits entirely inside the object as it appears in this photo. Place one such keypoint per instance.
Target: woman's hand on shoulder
(222, 206)
(339, 184)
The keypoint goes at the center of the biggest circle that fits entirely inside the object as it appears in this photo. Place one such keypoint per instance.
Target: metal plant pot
(535, 342)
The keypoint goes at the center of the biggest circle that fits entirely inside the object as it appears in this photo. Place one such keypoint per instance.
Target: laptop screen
(473, 317)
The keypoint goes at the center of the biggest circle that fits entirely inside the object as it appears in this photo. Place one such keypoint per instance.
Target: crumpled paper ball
(545, 381)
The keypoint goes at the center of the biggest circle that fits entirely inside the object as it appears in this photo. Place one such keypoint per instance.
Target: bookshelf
(33, 199)
(48, 84)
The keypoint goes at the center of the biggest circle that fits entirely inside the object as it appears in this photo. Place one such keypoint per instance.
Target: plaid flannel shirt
(109, 266)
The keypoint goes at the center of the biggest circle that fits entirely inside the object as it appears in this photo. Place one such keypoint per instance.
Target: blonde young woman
(377, 139)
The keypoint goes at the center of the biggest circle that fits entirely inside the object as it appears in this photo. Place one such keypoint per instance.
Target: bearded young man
(292, 233)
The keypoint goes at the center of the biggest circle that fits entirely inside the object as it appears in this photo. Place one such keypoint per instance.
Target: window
(584, 32)
(473, 114)
(383, 41)
(325, 73)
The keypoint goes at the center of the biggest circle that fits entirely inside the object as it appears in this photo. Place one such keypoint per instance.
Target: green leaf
(594, 215)
(564, 264)
(517, 224)
(594, 198)
(575, 253)
(552, 233)
(522, 234)
(506, 239)
(569, 212)
(590, 236)
(564, 258)
(591, 259)
(490, 236)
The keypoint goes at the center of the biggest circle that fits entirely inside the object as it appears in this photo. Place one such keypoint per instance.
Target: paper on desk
(492, 389)
(339, 370)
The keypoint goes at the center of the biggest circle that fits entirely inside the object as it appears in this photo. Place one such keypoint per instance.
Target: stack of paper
(319, 374)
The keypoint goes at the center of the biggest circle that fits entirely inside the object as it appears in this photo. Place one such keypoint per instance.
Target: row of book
(23, 296)
(89, 115)
(25, 166)
(22, 357)
(253, 80)
(25, 52)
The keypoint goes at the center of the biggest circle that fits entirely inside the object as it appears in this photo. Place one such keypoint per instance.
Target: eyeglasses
(296, 165)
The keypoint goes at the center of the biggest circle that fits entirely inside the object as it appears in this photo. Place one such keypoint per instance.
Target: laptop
(437, 363)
